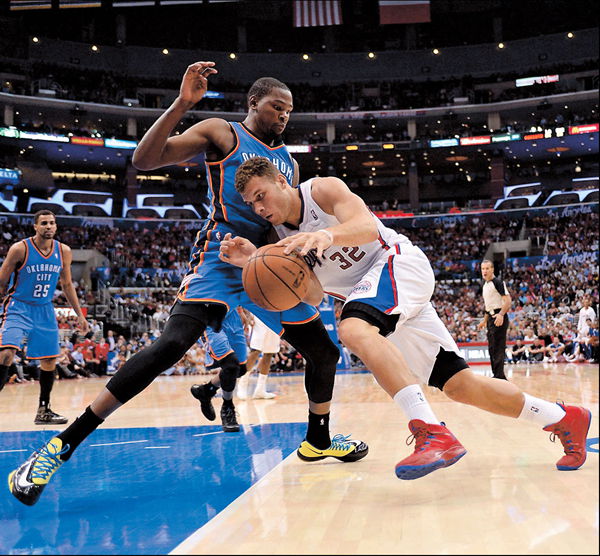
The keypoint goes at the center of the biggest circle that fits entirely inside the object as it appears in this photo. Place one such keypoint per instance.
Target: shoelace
(566, 442)
(420, 438)
(339, 442)
(48, 461)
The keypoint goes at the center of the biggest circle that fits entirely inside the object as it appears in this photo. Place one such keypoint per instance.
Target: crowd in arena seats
(111, 87)
(547, 292)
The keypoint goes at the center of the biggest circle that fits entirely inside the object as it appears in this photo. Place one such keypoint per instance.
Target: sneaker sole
(571, 467)
(62, 422)
(410, 472)
(231, 429)
(352, 456)
(16, 494)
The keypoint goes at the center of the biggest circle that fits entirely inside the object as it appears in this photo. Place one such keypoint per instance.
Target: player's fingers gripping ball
(275, 281)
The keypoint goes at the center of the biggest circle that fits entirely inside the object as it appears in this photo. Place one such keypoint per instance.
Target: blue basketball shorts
(230, 339)
(35, 324)
(215, 281)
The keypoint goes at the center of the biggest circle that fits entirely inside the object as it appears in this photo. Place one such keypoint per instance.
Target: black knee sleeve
(180, 333)
(3, 375)
(312, 341)
(243, 369)
(228, 374)
(385, 323)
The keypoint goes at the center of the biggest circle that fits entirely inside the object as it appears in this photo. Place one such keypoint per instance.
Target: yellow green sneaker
(27, 482)
(341, 448)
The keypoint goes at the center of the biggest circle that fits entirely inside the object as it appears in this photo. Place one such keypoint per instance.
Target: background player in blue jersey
(32, 269)
(211, 287)
(229, 351)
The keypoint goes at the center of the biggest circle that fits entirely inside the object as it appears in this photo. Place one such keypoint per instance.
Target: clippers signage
(479, 140)
(528, 81)
(93, 141)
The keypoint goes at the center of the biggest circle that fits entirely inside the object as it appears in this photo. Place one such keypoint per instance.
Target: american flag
(314, 13)
(404, 11)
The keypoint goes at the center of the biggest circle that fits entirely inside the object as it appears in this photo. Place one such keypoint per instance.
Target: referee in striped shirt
(497, 304)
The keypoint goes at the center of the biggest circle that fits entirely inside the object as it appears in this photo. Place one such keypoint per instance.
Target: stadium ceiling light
(232, 56)
(436, 51)
(570, 35)
(371, 55)
(305, 57)
(165, 51)
(500, 45)
(94, 48)
(35, 40)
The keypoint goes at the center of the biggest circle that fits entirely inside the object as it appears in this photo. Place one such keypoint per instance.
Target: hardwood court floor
(504, 497)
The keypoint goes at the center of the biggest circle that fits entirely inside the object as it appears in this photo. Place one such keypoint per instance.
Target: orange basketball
(275, 281)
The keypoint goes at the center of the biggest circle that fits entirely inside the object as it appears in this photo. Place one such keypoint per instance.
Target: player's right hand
(195, 83)
(236, 250)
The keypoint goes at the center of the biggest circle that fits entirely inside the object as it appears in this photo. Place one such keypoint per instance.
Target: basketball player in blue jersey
(32, 269)
(229, 351)
(211, 287)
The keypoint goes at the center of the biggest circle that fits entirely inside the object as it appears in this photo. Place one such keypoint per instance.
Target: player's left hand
(236, 250)
(305, 241)
(83, 325)
(498, 319)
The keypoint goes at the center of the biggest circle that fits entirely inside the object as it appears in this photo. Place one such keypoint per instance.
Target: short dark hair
(263, 86)
(40, 213)
(255, 166)
(488, 261)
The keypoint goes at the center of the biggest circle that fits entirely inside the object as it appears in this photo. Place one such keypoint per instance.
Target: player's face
(273, 112)
(45, 227)
(267, 198)
(487, 271)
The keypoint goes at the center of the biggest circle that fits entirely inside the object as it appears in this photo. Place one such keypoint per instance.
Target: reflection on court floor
(137, 491)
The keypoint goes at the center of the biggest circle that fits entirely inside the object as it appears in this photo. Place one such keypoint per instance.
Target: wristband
(328, 234)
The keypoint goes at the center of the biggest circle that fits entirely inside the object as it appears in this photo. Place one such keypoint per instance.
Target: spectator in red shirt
(101, 352)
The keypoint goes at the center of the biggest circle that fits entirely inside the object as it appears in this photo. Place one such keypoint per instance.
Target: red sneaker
(572, 430)
(435, 447)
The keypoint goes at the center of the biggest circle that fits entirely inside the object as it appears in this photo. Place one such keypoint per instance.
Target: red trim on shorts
(45, 356)
(391, 271)
(315, 316)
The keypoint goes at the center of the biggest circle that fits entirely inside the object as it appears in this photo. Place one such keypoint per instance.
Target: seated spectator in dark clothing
(537, 350)
(519, 351)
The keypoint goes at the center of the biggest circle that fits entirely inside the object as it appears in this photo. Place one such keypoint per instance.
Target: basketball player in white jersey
(264, 343)
(387, 320)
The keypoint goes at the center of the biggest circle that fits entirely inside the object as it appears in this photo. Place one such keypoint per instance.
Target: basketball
(275, 281)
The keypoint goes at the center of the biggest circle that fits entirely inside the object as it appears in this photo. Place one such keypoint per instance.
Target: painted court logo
(362, 287)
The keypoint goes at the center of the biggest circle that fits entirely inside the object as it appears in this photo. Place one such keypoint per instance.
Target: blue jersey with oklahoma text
(35, 281)
(227, 205)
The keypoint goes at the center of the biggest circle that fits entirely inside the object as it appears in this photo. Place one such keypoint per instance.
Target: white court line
(208, 433)
(118, 443)
(212, 525)
(156, 447)
(8, 451)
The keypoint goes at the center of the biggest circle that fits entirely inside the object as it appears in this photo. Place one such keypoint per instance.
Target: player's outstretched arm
(157, 148)
(236, 250)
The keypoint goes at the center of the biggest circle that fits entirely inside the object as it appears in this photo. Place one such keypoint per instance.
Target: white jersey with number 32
(341, 268)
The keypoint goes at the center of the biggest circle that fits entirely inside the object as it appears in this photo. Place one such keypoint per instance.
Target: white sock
(541, 412)
(414, 404)
(261, 383)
